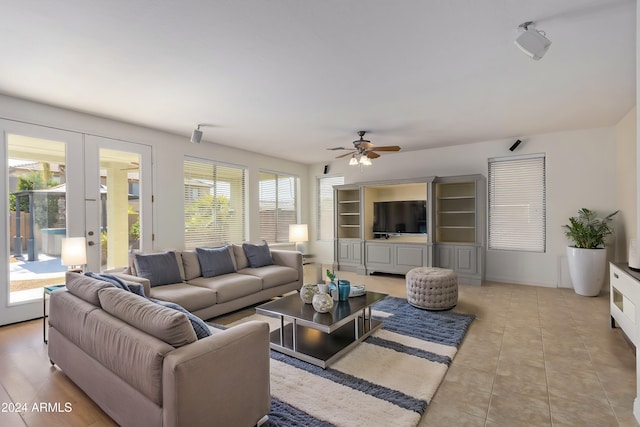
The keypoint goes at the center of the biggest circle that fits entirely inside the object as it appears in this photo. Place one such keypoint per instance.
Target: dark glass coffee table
(321, 338)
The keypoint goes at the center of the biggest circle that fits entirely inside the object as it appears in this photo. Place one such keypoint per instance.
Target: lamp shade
(74, 251)
(298, 233)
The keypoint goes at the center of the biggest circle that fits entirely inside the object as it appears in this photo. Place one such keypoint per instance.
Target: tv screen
(407, 216)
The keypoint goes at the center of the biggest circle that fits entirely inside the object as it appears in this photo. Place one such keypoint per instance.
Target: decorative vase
(587, 268)
(333, 290)
(322, 302)
(344, 289)
(307, 292)
(323, 288)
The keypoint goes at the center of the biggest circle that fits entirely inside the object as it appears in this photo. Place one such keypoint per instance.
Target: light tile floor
(532, 357)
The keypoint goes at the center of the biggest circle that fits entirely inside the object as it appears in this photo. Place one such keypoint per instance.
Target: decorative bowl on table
(322, 302)
(307, 292)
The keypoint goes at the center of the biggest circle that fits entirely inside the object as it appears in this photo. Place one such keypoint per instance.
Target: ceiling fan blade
(345, 155)
(386, 148)
(338, 148)
(364, 144)
(372, 155)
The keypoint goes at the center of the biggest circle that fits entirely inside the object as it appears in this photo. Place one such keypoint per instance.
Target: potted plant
(587, 256)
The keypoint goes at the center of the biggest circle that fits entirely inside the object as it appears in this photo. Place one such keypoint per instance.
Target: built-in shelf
(455, 212)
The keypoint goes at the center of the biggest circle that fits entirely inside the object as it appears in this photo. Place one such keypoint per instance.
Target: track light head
(515, 145)
(532, 41)
(196, 136)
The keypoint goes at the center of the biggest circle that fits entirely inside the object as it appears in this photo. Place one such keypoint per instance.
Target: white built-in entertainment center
(377, 228)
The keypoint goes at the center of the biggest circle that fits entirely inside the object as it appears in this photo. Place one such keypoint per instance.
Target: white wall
(580, 168)
(626, 192)
(168, 151)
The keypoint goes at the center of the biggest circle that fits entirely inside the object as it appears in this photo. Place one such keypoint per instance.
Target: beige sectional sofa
(144, 366)
(208, 297)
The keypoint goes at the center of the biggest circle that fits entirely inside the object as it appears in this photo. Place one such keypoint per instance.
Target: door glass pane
(37, 215)
(119, 206)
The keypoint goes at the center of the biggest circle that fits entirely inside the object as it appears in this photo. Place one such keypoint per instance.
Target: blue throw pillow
(135, 288)
(161, 268)
(199, 327)
(258, 255)
(215, 261)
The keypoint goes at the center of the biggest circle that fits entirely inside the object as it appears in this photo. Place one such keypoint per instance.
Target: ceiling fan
(363, 149)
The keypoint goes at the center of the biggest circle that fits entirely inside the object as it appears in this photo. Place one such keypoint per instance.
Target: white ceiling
(291, 78)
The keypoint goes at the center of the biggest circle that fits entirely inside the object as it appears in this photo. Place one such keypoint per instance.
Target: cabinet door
(344, 251)
(409, 256)
(380, 255)
(465, 259)
(356, 251)
(444, 256)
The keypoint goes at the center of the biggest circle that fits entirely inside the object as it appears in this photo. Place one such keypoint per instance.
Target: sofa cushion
(136, 288)
(215, 261)
(84, 287)
(230, 286)
(192, 298)
(166, 324)
(258, 255)
(199, 326)
(160, 268)
(241, 258)
(272, 275)
(191, 265)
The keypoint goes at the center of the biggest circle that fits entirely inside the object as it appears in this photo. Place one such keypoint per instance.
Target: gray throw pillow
(215, 261)
(258, 255)
(160, 268)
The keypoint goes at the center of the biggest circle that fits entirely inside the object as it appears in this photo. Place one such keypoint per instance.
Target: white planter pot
(587, 268)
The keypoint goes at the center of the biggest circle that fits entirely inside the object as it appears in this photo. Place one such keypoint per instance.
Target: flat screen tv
(400, 217)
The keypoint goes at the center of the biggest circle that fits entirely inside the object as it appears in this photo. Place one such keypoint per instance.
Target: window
(325, 206)
(214, 198)
(278, 202)
(517, 203)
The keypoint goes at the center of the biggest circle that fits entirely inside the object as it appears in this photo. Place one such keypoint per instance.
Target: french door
(57, 184)
(117, 201)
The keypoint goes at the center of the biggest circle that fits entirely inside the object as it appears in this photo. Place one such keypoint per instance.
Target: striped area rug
(389, 379)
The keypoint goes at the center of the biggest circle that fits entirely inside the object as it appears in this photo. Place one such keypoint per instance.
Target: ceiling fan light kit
(363, 151)
(532, 42)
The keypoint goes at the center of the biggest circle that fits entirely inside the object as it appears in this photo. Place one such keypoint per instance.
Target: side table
(47, 290)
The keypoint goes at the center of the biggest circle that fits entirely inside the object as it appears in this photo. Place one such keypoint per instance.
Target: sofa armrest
(222, 379)
(135, 279)
(291, 259)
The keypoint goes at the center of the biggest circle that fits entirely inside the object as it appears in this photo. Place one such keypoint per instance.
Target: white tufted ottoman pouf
(432, 288)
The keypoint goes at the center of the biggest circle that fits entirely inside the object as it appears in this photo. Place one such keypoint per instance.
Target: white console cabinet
(625, 309)
(624, 299)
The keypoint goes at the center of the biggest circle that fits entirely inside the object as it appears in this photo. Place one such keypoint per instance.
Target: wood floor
(533, 356)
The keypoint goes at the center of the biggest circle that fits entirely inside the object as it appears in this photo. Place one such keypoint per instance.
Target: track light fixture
(515, 145)
(532, 41)
(196, 136)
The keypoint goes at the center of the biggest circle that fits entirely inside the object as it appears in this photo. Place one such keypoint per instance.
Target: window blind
(324, 214)
(278, 206)
(517, 203)
(214, 203)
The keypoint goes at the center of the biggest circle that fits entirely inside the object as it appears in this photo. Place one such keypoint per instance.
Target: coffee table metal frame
(321, 338)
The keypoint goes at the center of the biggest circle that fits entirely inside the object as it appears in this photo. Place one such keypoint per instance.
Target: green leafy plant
(330, 275)
(587, 231)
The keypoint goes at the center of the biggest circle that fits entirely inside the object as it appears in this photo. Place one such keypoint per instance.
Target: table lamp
(74, 253)
(299, 233)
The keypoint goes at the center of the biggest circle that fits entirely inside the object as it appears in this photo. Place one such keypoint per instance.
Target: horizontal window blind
(278, 206)
(214, 203)
(517, 204)
(324, 214)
